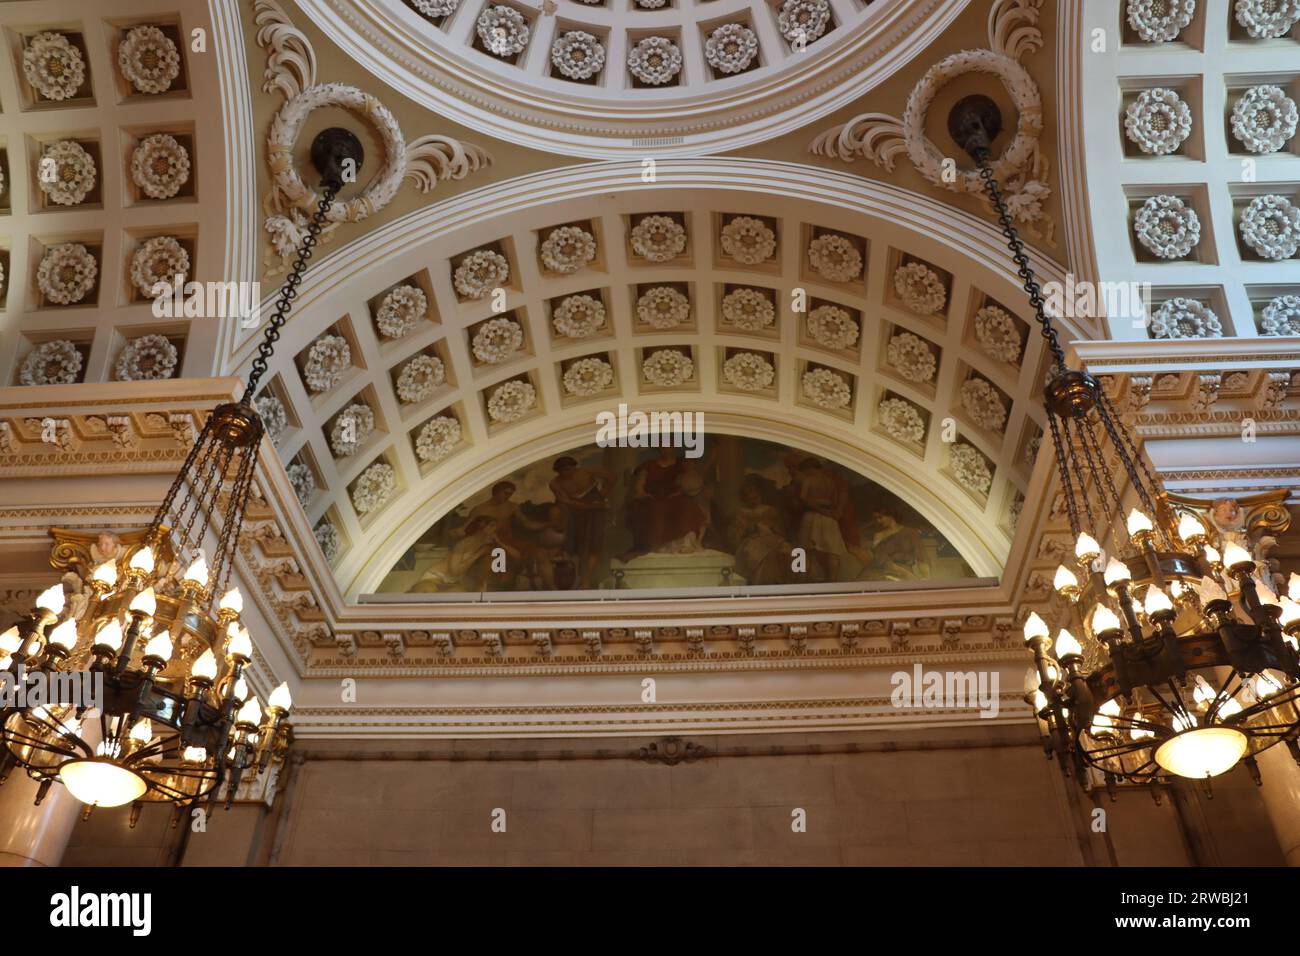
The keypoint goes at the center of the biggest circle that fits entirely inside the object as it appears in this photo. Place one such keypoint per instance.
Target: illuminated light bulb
(159, 646)
(1265, 686)
(1035, 627)
(10, 641)
(1230, 708)
(250, 713)
(1212, 555)
(1116, 571)
(1189, 527)
(241, 644)
(1101, 724)
(1086, 547)
(51, 599)
(1032, 682)
(64, 636)
(194, 755)
(145, 603)
(1104, 619)
(142, 732)
(1140, 733)
(1138, 523)
(1266, 594)
(1067, 644)
(1293, 586)
(106, 574)
(1176, 589)
(1040, 701)
(1183, 722)
(100, 782)
(1290, 612)
(1110, 708)
(110, 635)
(142, 560)
(1053, 672)
(205, 666)
(280, 699)
(198, 571)
(1156, 601)
(1202, 692)
(1065, 579)
(1210, 590)
(241, 689)
(1234, 554)
(233, 601)
(1207, 752)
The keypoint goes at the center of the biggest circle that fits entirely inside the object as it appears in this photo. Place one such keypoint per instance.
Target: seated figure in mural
(667, 510)
(583, 493)
(468, 566)
(512, 524)
(762, 552)
(897, 551)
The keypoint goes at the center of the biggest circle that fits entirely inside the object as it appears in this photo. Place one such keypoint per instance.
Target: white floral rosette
(1268, 19)
(480, 272)
(668, 368)
(911, 357)
(1281, 316)
(578, 55)
(920, 288)
(374, 488)
(327, 359)
(148, 60)
(568, 249)
(748, 310)
(327, 536)
(160, 166)
(275, 419)
(1182, 318)
(731, 48)
(663, 307)
(510, 401)
(158, 260)
(497, 339)
(67, 273)
(437, 438)
(832, 327)
(748, 371)
(826, 388)
(997, 334)
(1264, 119)
(1158, 121)
(969, 467)
(654, 60)
(651, 4)
(419, 377)
(436, 8)
(658, 238)
(804, 20)
(351, 428)
(66, 172)
(983, 404)
(400, 310)
(301, 480)
(1270, 225)
(503, 30)
(834, 258)
(901, 420)
(578, 316)
(147, 358)
(588, 376)
(1159, 21)
(53, 66)
(748, 240)
(1167, 227)
(51, 363)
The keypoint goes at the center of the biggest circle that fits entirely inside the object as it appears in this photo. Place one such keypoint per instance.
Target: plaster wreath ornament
(274, 416)
(433, 9)
(901, 420)
(51, 363)
(480, 272)
(1167, 227)
(301, 480)
(400, 310)
(1282, 316)
(1271, 226)
(969, 467)
(67, 172)
(1159, 21)
(438, 438)
(802, 21)
(654, 60)
(327, 359)
(503, 30)
(1182, 318)
(568, 249)
(67, 273)
(419, 377)
(148, 60)
(578, 55)
(578, 316)
(658, 238)
(588, 376)
(651, 4)
(748, 371)
(834, 258)
(997, 334)
(353, 426)
(911, 357)
(158, 260)
(663, 307)
(920, 288)
(327, 536)
(983, 404)
(497, 339)
(826, 388)
(748, 240)
(160, 166)
(53, 66)
(374, 488)
(731, 48)
(668, 368)
(748, 310)
(1268, 19)
(832, 327)
(147, 358)
(511, 401)
(1158, 121)
(1264, 119)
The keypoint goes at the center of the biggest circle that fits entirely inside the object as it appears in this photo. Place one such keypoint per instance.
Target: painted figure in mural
(761, 551)
(664, 511)
(468, 567)
(583, 493)
(821, 504)
(898, 553)
(512, 524)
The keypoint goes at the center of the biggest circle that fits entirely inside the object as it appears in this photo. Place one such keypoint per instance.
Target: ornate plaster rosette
(826, 388)
(748, 310)
(374, 488)
(149, 60)
(748, 240)
(436, 8)
(503, 30)
(67, 273)
(53, 66)
(997, 334)
(1281, 316)
(480, 272)
(301, 480)
(668, 368)
(158, 260)
(274, 417)
(578, 316)
(510, 401)
(351, 428)
(588, 376)
(1158, 121)
(578, 55)
(1268, 19)
(160, 166)
(497, 339)
(658, 238)
(651, 4)
(1264, 119)
(419, 377)
(748, 371)
(969, 467)
(147, 358)
(654, 60)
(1182, 318)
(400, 310)
(327, 359)
(832, 327)
(1032, 447)
(437, 438)
(806, 19)
(920, 288)
(568, 249)
(1271, 226)
(983, 404)
(731, 48)
(1167, 227)
(327, 536)
(51, 363)
(1159, 21)
(663, 307)
(911, 357)
(2, 182)
(834, 258)
(902, 420)
(67, 172)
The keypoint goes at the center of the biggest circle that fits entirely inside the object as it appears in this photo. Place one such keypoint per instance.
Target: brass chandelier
(1188, 664)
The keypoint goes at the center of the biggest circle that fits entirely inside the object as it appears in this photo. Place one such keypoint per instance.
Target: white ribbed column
(1281, 793)
(32, 835)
